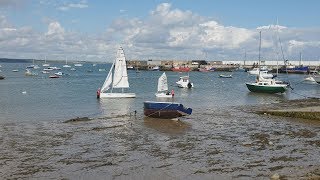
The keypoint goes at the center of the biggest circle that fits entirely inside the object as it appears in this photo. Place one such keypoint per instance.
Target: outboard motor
(189, 85)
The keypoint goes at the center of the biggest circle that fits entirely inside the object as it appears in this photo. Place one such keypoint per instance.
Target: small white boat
(225, 76)
(130, 68)
(30, 73)
(45, 62)
(163, 87)
(78, 65)
(48, 69)
(66, 66)
(15, 70)
(58, 73)
(310, 79)
(45, 72)
(184, 82)
(55, 68)
(255, 71)
(72, 69)
(155, 68)
(263, 73)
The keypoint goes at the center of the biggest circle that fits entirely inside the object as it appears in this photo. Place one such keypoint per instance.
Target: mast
(300, 59)
(259, 52)
(245, 57)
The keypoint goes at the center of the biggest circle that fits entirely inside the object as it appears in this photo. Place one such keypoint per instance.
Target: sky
(92, 30)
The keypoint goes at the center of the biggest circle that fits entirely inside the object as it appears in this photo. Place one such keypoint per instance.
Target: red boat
(180, 69)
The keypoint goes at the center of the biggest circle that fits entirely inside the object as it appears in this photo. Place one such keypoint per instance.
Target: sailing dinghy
(117, 78)
(163, 87)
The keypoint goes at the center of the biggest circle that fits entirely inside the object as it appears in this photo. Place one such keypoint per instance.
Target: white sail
(120, 78)
(162, 83)
(107, 83)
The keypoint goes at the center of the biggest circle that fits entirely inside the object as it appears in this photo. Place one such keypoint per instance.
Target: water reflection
(163, 99)
(167, 126)
(185, 92)
(264, 98)
(116, 107)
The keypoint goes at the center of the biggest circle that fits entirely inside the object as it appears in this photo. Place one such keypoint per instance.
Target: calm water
(220, 139)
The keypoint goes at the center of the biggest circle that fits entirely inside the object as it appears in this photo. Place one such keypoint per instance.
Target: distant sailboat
(66, 65)
(163, 87)
(45, 62)
(117, 79)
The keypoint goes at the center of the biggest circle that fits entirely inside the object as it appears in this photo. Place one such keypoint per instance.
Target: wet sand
(218, 143)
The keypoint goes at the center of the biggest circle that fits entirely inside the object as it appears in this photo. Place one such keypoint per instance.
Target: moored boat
(54, 76)
(266, 87)
(180, 69)
(165, 110)
(263, 85)
(184, 82)
(225, 76)
(296, 69)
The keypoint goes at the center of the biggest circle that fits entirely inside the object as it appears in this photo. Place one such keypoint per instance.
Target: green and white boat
(266, 87)
(263, 85)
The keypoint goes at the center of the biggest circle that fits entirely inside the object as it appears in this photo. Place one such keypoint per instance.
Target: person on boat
(172, 92)
(98, 93)
(167, 93)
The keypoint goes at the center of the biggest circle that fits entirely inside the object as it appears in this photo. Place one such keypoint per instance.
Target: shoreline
(299, 108)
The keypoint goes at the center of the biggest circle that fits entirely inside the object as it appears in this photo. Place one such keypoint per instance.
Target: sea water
(221, 139)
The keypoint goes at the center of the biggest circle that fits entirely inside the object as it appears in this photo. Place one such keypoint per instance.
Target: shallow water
(222, 139)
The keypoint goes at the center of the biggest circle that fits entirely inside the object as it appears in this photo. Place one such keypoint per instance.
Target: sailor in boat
(98, 93)
(170, 93)
(189, 85)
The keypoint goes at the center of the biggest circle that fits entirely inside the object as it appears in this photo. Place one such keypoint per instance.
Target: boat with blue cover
(166, 110)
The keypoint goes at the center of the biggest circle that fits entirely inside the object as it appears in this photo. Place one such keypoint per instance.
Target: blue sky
(154, 29)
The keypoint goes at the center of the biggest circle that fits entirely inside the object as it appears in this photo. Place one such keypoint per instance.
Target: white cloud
(68, 6)
(166, 33)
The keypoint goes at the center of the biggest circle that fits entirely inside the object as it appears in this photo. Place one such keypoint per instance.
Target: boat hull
(225, 76)
(117, 95)
(165, 110)
(184, 84)
(181, 69)
(266, 89)
(297, 70)
(163, 95)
